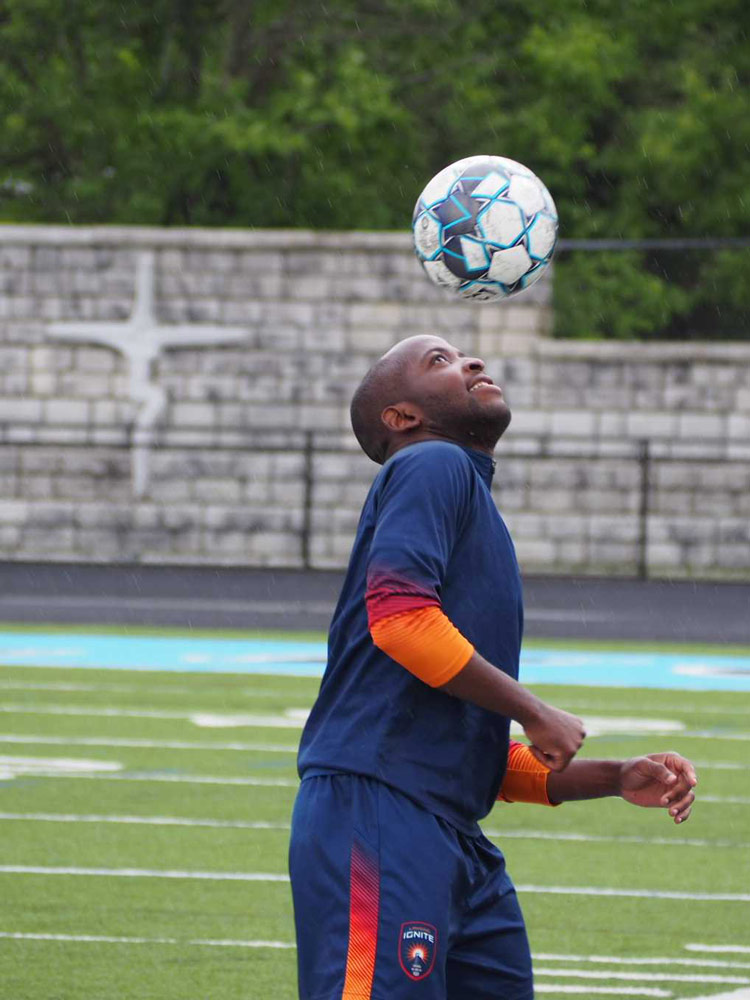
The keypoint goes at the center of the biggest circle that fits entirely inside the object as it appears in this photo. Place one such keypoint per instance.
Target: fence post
(307, 498)
(644, 463)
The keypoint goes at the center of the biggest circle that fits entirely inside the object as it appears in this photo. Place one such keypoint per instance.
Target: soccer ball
(485, 227)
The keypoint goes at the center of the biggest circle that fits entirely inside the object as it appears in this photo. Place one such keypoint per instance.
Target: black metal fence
(310, 445)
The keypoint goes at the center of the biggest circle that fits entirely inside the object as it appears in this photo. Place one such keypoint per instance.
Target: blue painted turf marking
(183, 654)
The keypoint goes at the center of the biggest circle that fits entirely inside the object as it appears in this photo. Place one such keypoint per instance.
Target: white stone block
(10, 538)
(66, 411)
(535, 552)
(571, 554)
(664, 555)
(374, 316)
(576, 423)
(217, 491)
(652, 424)
(184, 415)
(738, 426)
(19, 410)
(701, 426)
(13, 511)
(527, 421)
(90, 359)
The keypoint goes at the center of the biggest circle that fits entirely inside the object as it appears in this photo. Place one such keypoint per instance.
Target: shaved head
(381, 386)
(425, 389)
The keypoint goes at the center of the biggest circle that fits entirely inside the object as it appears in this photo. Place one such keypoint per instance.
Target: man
(397, 893)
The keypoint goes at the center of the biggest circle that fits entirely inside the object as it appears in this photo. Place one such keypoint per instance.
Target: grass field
(144, 845)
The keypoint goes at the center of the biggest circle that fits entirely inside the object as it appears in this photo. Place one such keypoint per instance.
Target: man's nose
(474, 364)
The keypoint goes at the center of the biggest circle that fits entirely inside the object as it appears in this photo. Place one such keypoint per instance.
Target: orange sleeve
(424, 641)
(526, 778)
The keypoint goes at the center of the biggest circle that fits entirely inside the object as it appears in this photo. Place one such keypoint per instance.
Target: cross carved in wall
(140, 339)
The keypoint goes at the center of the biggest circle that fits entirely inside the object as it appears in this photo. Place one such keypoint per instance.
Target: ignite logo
(417, 949)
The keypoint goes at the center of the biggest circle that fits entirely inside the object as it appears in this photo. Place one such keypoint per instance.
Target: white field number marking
(13, 767)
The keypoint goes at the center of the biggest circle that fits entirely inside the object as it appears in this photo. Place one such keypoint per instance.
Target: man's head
(424, 389)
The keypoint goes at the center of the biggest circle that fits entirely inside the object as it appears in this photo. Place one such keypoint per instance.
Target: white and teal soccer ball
(485, 227)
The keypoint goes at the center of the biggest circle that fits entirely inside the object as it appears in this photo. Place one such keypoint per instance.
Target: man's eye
(439, 357)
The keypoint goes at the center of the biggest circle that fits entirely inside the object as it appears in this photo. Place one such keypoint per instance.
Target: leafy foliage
(286, 113)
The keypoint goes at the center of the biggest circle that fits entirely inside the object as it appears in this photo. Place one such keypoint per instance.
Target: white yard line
(720, 949)
(107, 939)
(273, 877)
(621, 991)
(61, 686)
(571, 890)
(707, 734)
(721, 765)
(574, 705)
(237, 943)
(176, 873)
(119, 741)
(699, 963)
(548, 988)
(176, 745)
(100, 741)
(293, 718)
(185, 779)
(259, 825)
(592, 838)
(141, 691)
(280, 783)
(220, 824)
(655, 977)
(188, 779)
(734, 995)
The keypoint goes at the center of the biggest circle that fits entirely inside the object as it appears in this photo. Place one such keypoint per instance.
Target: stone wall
(181, 396)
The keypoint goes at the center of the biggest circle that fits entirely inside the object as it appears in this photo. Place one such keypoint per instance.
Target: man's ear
(402, 417)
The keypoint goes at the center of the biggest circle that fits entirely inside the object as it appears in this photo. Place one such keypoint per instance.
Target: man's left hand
(660, 781)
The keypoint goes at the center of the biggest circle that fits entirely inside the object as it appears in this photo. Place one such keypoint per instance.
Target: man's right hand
(555, 736)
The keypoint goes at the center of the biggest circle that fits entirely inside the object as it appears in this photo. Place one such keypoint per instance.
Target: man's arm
(555, 736)
(659, 780)
(429, 645)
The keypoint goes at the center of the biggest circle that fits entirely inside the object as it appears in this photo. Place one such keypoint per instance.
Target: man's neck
(417, 437)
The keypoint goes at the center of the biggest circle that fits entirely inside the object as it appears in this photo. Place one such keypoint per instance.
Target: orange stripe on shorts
(364, 906)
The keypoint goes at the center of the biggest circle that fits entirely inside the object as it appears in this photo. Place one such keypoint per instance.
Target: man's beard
(481, 426)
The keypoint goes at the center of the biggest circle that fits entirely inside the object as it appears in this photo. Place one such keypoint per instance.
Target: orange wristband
(525, 778)
(424, 641)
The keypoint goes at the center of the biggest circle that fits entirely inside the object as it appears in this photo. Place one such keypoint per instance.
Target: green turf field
(164, 876)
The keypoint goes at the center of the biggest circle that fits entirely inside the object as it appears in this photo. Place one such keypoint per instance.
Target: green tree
(285, 113)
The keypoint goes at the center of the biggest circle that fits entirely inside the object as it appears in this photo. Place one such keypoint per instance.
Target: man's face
(454, 392)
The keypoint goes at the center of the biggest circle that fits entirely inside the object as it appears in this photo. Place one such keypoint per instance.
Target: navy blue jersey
(429, 534)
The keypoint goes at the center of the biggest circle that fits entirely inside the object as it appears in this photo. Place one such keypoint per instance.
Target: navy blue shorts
(394, 903)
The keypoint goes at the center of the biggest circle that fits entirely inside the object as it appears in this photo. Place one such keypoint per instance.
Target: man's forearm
(484, 685)
(554, 736)
(426, 643)
(584, 779)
